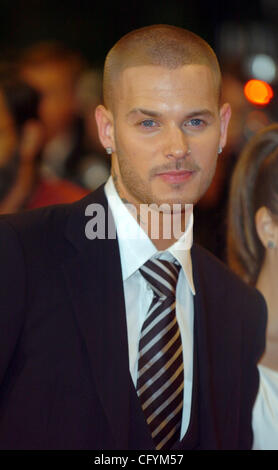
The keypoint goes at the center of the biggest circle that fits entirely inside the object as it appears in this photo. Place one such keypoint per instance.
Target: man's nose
(177, 144)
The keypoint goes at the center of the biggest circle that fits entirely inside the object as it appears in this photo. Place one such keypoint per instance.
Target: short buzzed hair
(164, 45)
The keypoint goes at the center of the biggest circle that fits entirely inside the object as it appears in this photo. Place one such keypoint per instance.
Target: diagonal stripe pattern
(160, 364)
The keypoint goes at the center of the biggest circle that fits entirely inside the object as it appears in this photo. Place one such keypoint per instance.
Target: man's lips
(176, 176)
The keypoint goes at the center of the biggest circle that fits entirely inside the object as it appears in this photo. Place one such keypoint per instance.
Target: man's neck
(163, 228)
(163, 223)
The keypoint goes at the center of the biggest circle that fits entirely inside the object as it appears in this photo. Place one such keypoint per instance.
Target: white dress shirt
(135, 249)
(265, 411)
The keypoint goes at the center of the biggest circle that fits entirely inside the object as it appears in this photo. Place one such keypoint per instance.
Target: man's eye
(148, 123)
(195, 122)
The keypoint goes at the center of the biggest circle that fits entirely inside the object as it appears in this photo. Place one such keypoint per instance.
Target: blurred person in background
(54, 70)
(21, 142)
(94, 168)
(253, 255)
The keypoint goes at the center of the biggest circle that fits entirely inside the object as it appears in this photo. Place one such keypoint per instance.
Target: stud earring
(271, 244)
(109, 150)
(219, 149)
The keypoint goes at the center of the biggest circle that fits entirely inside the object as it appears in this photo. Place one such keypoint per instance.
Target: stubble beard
(134, 190)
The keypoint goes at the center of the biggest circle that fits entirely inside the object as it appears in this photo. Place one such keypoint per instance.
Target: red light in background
(258, 92)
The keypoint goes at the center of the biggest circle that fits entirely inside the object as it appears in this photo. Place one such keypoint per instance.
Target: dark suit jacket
(64, 371)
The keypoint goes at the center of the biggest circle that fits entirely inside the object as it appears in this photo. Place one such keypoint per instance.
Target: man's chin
(173, 202)
(172, 207)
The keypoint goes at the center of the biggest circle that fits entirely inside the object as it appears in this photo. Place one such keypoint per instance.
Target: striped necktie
(160, 363)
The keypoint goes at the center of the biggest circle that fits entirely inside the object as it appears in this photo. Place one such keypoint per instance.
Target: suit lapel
(95, 286)
(207, 406)
(219, 342)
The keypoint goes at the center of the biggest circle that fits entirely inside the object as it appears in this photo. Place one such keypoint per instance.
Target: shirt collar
(136, 247)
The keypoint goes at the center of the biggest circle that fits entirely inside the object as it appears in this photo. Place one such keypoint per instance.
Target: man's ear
(225, 116)
(266, 227)
(105, 125)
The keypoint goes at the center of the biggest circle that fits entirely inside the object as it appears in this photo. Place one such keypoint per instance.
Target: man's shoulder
(229, 300)
(32, 218)
(220, 280)
(48, 218)
(33, 224)
(209, 264)
(44, 231)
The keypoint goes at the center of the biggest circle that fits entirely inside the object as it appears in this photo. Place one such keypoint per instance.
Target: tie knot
(162, 276)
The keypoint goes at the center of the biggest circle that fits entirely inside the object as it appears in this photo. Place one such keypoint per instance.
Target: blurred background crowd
(51, 59)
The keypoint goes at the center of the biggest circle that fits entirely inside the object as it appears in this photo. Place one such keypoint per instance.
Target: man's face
(166, 128)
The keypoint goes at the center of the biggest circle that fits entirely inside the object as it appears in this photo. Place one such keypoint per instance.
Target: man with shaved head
(161, 45)
(117, 331)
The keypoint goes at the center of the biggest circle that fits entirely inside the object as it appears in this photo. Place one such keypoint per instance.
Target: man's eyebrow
(200, 112)
(147, 112)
